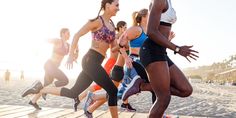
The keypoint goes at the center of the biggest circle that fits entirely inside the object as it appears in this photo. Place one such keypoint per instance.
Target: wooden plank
(107, 114)
(140, 115)
(98, 113)
(10, 108)
(19, 114)
(73, 114)
(14, 111)
(4, 106)
(39, 113)
(58, 114)
(126, 114)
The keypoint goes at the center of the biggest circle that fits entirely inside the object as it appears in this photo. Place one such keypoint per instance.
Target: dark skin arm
(158, 6)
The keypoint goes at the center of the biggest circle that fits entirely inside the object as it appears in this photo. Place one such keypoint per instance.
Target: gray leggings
(53, 72)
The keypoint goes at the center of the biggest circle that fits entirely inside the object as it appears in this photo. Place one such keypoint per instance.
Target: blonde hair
(137, 16)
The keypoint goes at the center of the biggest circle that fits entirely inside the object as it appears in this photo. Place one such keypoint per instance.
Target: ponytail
(97, 15)
(134, 16)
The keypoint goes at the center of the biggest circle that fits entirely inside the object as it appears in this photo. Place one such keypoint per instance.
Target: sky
(26, 25)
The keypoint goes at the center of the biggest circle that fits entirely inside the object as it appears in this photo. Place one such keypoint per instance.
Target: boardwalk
(10, 111)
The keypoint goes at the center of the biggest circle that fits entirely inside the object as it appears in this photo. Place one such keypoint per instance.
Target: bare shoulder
(133, 32)
(54, 40)
(158, 4)
(96, 24)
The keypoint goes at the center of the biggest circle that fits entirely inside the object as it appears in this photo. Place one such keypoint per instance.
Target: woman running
(103, 35)
(165, 80)
(51, 67)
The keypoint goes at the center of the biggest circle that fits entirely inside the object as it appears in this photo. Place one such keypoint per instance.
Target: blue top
(138, 42)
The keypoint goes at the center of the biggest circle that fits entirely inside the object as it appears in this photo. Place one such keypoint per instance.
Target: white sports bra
(170, 15)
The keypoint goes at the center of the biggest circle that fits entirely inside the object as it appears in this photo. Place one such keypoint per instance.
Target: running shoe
(128, 107)
(132, 88)
(35, 105)
(33, 89)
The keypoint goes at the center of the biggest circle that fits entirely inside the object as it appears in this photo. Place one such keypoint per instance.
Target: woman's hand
(187, 52)
(76, 55)
(128, 62)
(69, 63)
(171, 36)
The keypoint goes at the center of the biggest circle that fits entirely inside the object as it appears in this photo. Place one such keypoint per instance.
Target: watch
(177, 49)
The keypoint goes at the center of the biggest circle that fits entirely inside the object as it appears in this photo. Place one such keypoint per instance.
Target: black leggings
(53, 72)
(92, 71)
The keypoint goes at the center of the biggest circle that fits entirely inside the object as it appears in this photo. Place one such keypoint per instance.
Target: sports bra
(138, 42)
(104, 34)
(62, 50)
(170, 15)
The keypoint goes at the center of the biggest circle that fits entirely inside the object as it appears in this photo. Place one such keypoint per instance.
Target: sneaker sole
(30, 87)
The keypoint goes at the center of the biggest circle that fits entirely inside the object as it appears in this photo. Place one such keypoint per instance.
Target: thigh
(98, 74)
(141, 71)
(59, 75)
(178, 79)
(159, 77)
(47, 79)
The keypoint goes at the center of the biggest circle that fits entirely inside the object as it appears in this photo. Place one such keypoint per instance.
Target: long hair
(103, 4)
(137, 16)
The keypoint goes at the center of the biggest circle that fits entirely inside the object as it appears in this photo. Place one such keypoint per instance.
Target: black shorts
(151, 52)
(117, 73)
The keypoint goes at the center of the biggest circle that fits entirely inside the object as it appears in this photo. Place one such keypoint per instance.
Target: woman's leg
(100, 98)
(180, 86)
(160, 81)
(48, 79)
(84, 93)
(101, 78)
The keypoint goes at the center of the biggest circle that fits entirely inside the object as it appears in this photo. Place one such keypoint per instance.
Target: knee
(187, 91)
(112, 97)
(67, 92)
(113, 92)
(61, 83)
(65, 82)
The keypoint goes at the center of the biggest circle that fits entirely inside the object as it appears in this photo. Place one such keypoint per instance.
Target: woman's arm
(89, 26)
(153, 24)
(154, 33)
(129, 34)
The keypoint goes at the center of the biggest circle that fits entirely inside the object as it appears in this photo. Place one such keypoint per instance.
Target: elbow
(76, 38)
(151, 34)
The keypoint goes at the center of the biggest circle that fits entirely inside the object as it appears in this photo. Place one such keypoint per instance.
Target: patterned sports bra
(104, 34)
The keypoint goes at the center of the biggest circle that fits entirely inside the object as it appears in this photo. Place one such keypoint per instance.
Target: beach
(207, 100)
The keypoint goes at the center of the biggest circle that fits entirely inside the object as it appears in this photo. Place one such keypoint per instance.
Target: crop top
(104, 34)
(137, 42)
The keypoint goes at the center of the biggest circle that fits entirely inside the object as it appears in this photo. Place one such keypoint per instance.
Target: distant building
(225, 76)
